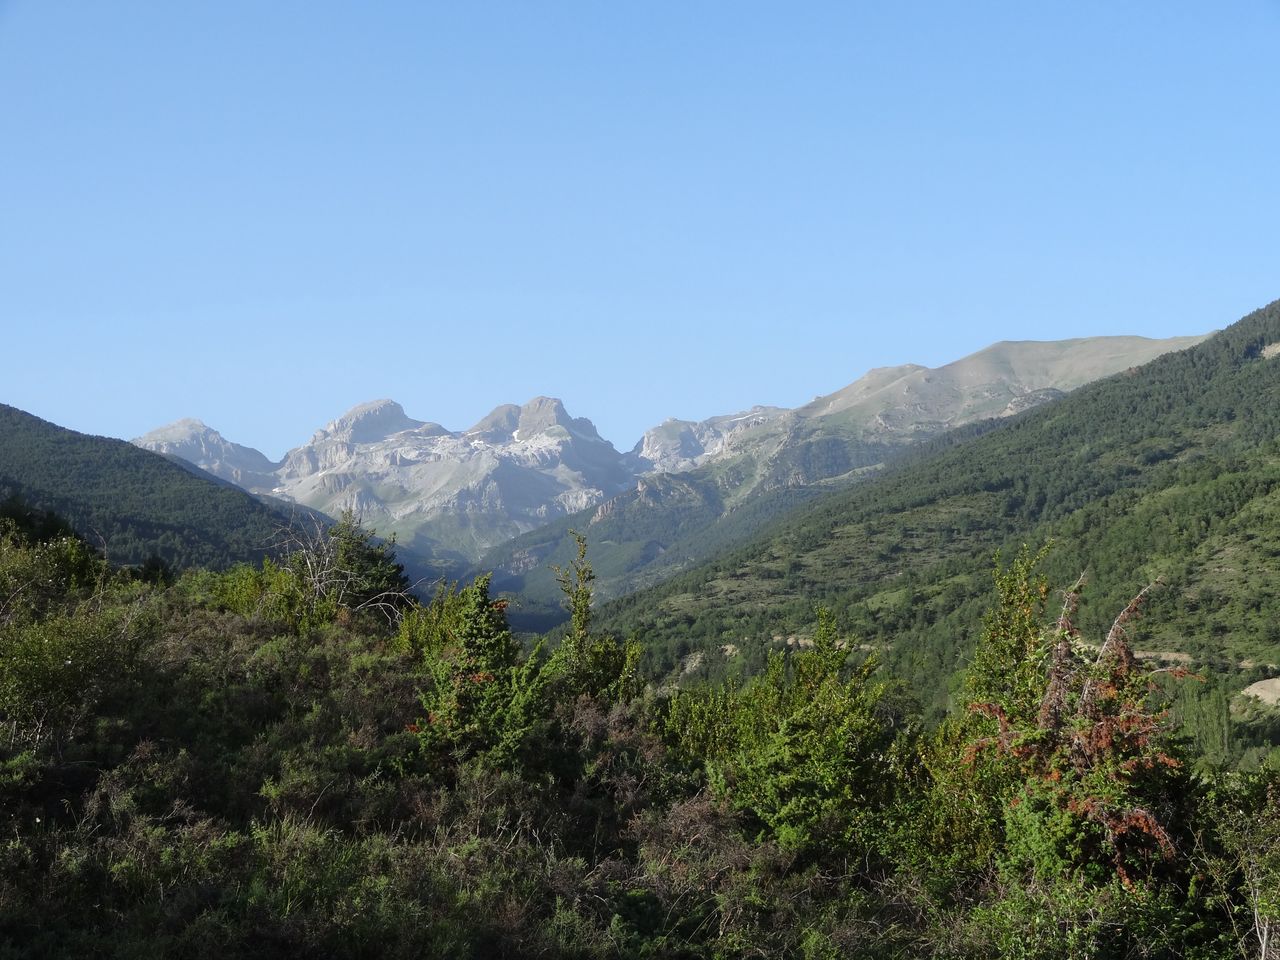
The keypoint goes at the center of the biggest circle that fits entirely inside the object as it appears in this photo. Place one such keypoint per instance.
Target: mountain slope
(736, 474)
(196, 443)
(894, 405)
(1169, 470)
(130, 502)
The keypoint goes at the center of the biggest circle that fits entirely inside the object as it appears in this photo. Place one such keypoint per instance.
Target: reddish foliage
(1095, 723)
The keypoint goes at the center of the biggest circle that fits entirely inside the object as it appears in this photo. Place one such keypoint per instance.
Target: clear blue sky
(261, 213)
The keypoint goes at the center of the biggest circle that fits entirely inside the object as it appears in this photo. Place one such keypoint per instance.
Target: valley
(780, 634)
(639, 481)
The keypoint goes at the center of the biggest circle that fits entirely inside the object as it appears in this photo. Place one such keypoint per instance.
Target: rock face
(196, 443)
(439, 491)
(521, 467)
(896, 405)
(682, 444)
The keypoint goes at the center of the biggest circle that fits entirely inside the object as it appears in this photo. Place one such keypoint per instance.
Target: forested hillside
(1168, 471)
(131, 503)
(717, 483)
(670, 522)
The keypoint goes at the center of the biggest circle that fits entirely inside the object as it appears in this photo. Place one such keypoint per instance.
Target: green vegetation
(299, 759)
(667, 523)
(132, 504)
(1169, 471)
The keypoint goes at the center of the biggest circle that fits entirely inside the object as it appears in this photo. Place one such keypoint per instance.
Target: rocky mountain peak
(542, 413)
(678, 445)
(370, 422)
(516, 424)
(500, 424)
(196, 442)
(188, 428)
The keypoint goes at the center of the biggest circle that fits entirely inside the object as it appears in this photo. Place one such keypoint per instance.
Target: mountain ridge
(458, 495)
(1167, 471)
(783, 458)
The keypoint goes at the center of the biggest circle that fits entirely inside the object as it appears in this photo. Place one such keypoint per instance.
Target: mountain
(461, 491)
(677, 445)
(444, 494)
(192, 441)
(504, 493)
(130, 502)
(728, 476)
(897, 405)
(1170, 470)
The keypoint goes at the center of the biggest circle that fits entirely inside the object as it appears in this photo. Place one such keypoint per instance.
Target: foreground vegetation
(299, 759)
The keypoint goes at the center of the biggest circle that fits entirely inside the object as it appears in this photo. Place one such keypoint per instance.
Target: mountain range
(720, 538)
(457, 495)
(448, 494)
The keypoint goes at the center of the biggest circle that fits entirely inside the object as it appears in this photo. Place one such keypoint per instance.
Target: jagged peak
(510, 422)
(540, 413)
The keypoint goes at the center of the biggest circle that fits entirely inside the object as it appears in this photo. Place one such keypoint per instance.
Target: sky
(261, 214)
